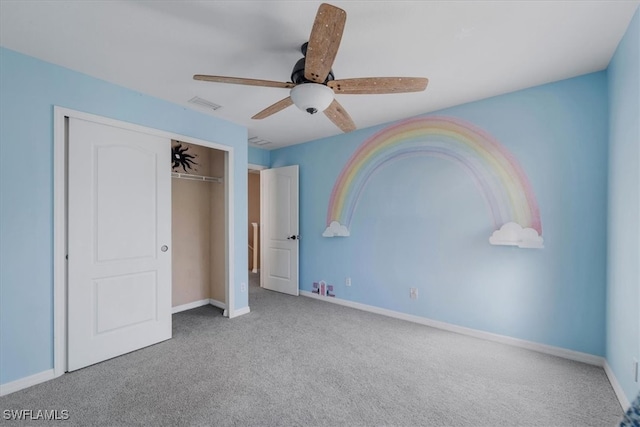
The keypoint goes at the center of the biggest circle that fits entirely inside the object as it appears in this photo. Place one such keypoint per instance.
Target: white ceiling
(469, 50)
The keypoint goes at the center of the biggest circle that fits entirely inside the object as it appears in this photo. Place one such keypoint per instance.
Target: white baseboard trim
(216, 303)
(26, 382)
(196, 304)
(189, 305)
(541, 348)
(617, 388)
(236, 313)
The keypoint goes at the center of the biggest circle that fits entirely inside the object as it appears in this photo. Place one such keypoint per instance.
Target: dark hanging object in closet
(179, 157)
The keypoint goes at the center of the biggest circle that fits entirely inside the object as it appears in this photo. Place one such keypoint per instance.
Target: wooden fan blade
(376, 85)
(272, 109)
(324, 42)
(241, 81)
(338, 115)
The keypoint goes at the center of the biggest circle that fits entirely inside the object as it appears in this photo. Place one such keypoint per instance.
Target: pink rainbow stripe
(499, 176)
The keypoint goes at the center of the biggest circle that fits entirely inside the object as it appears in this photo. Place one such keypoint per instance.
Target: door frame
(60, 229)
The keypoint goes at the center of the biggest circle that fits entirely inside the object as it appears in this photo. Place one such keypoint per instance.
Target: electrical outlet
(413, 293)
(347, 281)
(243, 287)
(635, 370)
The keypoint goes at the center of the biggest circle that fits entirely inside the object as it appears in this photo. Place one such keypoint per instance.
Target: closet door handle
(164, 248)
(294, 237)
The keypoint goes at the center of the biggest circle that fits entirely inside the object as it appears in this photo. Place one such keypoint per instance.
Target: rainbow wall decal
(499, 176)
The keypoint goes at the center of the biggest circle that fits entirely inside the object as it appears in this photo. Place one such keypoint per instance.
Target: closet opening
(198, 227)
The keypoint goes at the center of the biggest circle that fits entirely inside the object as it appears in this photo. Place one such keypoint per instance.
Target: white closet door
(119, 285)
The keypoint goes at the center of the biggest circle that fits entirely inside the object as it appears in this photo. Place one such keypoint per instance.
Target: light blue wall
(422, 222)
(258, 156)
(29, 89)
(623, 284)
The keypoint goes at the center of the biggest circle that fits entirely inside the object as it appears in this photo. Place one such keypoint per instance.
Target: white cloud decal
(335, 229)
(514, 235)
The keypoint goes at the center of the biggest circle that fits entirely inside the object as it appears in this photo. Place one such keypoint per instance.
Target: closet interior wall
(198, 238)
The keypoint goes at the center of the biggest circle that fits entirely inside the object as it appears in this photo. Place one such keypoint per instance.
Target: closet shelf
(192, 177)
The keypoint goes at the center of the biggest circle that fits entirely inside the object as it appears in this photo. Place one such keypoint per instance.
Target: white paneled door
(119, 241)
(280, 238)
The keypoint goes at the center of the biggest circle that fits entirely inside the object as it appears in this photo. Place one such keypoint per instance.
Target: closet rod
(195, 177)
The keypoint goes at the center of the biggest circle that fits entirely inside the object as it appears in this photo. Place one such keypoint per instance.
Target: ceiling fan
(313, 85)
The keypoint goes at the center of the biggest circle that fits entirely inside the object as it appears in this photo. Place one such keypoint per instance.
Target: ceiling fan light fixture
(312, 97)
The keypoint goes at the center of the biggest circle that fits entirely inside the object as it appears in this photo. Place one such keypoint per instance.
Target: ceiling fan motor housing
(297, 75)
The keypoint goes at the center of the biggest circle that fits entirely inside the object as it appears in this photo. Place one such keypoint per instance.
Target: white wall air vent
(258, 141)
(204, 103)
